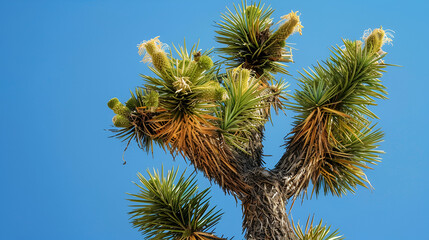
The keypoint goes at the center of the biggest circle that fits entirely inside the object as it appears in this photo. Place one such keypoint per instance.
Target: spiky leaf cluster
(243, 111)
(138, 127)
(189, 94)
(170, 208)
(182, 86)
(249, 40)
(333, 126)
(216, 120)
(318, 232)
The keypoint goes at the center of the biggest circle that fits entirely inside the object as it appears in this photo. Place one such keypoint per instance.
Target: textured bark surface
(290, 172)
(264, 204)
(264, 209)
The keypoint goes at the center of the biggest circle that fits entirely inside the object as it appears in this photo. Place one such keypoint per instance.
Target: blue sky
(61, 177)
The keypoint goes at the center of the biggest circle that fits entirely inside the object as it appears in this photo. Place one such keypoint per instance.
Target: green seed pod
(160, 61)
(121, 121)
(212, 91)
(122, 110)
(113, 102)
(205, 63)
(118, 107)
(208, 93)
(221, 94)
(374, 41)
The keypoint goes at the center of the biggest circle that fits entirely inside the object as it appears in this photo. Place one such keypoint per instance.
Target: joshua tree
(215, 119)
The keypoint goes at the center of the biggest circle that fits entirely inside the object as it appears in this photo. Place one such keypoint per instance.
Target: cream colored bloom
(387, 38)
(182, 85)
(293, 15)
(149, 47)
(287, 55)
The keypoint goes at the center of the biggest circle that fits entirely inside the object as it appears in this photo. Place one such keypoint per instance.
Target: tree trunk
(264, 210)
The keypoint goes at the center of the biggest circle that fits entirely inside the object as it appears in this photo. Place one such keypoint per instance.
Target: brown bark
(264, 203)
(264, 209)
(291, 173)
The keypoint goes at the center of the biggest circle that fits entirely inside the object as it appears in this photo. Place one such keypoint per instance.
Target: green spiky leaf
(247, 38)
(334, 120)
(169, 206)
(318, 232)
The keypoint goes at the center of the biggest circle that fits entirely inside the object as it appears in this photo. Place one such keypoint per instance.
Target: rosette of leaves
(251, 42)
(170, 206)
(333, 129)
(242, 112)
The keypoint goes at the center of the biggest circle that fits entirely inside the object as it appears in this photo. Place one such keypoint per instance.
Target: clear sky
(61, 177)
